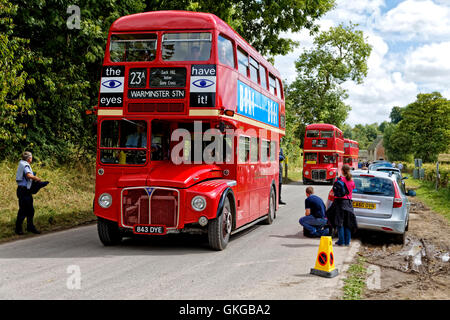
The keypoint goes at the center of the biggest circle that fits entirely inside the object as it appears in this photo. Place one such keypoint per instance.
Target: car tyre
(108, 232)
(219, 229)
(400, 238)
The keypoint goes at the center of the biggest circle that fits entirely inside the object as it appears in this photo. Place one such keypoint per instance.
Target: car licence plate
(364, 205)
(149, 229)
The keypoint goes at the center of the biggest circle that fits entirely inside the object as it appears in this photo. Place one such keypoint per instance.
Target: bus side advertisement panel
(257, 106)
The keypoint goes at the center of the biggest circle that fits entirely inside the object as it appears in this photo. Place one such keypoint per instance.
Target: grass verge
(64, 203)
(436, 200)
(355, 282)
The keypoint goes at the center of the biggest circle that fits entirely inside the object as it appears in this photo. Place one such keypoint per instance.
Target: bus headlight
(198, 203)
(105, 200)
(306, 172)
(331, 173)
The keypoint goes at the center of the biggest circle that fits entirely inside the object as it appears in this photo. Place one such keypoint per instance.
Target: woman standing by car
(341, 211)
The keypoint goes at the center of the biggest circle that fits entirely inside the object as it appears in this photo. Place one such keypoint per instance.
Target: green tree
(14, 106)
(425, 128)
(396, 115)
(339, 54)
(65, 66)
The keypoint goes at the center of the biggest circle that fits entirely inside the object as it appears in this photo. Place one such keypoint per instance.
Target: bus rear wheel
(108, 232)
(271, 215)
(219, 229)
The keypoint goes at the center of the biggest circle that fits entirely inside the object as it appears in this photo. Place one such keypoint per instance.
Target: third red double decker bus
(189, 122)
(323, 150)
(351, 151)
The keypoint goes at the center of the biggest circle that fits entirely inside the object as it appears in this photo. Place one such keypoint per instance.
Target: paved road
(263, 262)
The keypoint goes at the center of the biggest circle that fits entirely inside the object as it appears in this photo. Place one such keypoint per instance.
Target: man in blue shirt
(139, 138)
(24, 178)
(314, 219)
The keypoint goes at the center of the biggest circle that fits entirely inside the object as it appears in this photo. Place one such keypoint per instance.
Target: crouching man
(314, 220)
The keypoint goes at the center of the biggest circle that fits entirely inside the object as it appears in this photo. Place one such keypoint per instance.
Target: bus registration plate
(364, 205)
(149, 229)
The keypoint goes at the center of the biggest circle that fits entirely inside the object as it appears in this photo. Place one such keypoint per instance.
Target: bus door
(255, 179)
(243, 182)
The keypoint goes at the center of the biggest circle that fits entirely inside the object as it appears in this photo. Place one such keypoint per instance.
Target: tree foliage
(338, 55)
(15, 108)
(425, 127)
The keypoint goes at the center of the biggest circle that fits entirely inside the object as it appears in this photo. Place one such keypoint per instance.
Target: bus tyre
(219, 229)
(108, 232)
(271, 215)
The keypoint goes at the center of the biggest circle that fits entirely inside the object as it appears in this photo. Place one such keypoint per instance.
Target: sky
(410, 53)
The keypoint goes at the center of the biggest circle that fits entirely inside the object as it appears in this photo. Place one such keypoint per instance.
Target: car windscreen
(373, 186)
(380, 165)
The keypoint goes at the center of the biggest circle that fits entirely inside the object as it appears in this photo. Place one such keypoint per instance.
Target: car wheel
(271, 215)
(108, 232)
(219, 229)
(400, 238)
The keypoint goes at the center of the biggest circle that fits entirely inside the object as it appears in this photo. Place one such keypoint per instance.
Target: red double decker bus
(351, 151)
(323, 150)
(189, 122)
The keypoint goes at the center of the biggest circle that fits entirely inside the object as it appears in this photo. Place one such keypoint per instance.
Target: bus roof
(322, 126)
(166, 20)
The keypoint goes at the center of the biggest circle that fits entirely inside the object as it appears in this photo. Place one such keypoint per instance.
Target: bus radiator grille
(159, 209)
(319, 174)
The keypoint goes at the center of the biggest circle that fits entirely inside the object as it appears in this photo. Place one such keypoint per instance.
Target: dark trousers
(279, 192)
(26, 209)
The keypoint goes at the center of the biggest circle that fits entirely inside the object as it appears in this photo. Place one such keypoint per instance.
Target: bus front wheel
(219, 229)
(108, 232)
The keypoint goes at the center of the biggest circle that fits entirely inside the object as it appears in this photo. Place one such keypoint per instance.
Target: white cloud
(429, 65)
(416, 19)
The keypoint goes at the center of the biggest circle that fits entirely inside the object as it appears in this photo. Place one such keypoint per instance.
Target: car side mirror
(411, 193)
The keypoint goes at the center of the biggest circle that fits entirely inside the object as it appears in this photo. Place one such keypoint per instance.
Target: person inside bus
(315, 219)
(195, 54)
(138, 139)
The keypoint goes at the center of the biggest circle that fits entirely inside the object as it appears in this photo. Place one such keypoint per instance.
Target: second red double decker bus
(189, 122)
(351, 151)
(323, 151)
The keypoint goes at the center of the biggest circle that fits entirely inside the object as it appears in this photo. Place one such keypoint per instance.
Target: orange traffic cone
(325, 259)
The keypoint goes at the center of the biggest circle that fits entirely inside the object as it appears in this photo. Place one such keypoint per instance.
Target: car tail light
(397, 199)
(386, 229)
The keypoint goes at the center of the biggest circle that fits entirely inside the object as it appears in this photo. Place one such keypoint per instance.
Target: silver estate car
(380, 202)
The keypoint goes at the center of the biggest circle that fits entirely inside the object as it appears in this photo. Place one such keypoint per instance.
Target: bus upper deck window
(226, 52)
(242, 61)
(326, 134)
(263, 76)
(272, 84)
(312, 133)
(278, 88)
(254, 68)
(132, 47)
(193, 46)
